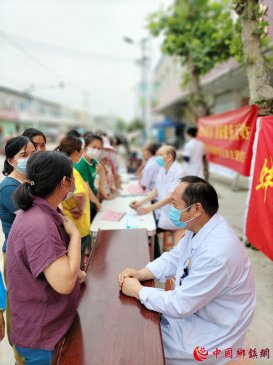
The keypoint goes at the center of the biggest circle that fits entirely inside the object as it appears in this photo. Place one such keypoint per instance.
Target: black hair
(33, 132)
(200, 191)
(13, 146)
(70, 144)
(90, 137)
(45, 171)
(101, 133)
(74, 133)
(152, 148)
(192, 131)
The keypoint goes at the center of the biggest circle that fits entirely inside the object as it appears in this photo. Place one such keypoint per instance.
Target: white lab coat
(195, 150)
(149, 173)
(214, 305)
(166, 182)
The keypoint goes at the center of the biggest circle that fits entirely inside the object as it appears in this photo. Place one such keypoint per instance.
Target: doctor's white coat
(214, 304)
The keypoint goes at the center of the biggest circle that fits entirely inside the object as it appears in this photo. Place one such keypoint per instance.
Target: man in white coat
(167, 179)
(209, 311)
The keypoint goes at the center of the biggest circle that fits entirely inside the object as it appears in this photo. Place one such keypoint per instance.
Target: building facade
(19, 110)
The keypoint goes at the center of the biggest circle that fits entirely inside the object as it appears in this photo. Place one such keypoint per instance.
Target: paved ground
(232, 207)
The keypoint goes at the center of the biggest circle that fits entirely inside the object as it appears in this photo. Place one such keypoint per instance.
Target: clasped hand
(129, 283)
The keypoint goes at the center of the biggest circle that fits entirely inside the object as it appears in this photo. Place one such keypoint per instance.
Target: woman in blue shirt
(3, 294)
(17, 151)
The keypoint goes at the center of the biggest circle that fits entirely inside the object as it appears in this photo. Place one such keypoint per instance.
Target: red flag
(229, 137)
(259, 225)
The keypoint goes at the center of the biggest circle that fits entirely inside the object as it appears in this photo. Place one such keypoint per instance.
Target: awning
(167, 123)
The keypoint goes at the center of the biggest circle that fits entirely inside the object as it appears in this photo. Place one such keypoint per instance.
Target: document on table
(135, 189)
(133, 220)
(112, 216)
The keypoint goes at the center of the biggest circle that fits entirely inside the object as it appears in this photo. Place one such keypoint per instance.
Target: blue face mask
(160, 161)
(22, 165)
(175, 214)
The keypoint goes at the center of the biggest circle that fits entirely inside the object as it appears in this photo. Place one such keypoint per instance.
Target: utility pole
(143, 63)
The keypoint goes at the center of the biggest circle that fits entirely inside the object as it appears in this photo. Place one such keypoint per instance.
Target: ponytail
(7, 168)
(22, 196)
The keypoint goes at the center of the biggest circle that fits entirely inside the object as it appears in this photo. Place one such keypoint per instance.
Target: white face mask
(103, 154)
(93, 153)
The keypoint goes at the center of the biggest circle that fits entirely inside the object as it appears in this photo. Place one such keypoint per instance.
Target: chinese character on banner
(216, 353)
(252, 353)
(266, 177)
(228, 353)
(264, 353)
(259, 227)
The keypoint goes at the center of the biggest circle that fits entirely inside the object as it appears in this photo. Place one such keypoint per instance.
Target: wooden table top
(110, 328)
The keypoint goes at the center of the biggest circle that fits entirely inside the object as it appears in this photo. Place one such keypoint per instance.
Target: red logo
(200, 353)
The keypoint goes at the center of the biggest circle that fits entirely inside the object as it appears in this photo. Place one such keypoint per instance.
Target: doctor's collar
(201, 235)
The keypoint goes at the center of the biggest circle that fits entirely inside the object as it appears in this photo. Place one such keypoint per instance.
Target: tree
(136, 124)
(199, 33)
(121, 125)
(253, 42)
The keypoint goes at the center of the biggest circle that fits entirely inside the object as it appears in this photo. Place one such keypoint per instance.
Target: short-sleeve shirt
(82, 223)
(88, 173)
(149, 173)
(40, 316)
(195, 150)
(7, 206)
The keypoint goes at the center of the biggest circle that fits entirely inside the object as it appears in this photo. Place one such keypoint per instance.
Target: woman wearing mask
(77, 206)
(91, 170)
(17, 152)
(43, 259)
(37, 137)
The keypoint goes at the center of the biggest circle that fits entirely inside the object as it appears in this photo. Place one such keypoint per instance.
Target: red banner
(259, 226)
(229, 137)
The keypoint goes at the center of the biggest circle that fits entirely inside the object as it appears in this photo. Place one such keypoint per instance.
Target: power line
(47, 47)
(29, 55)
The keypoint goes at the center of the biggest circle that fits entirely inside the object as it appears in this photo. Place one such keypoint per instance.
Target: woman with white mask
(91, 170)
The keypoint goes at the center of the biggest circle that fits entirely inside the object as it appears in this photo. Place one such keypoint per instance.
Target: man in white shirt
(194, 154)
(212, 304)
(151, 168)
(167, 179)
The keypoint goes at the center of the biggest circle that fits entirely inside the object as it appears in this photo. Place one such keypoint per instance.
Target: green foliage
(136, 124)
(199, 29)
(121, 125)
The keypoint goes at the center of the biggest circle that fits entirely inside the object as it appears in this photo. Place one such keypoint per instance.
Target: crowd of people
(48, 200)
(54, 196)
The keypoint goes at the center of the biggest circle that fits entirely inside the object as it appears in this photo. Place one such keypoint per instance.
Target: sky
(78, 43)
